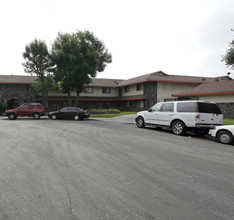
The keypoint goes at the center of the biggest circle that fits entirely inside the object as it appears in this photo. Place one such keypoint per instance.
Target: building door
(12, 104)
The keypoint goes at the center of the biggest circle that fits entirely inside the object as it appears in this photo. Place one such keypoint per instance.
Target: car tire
(225, 137)
(36, 116)
(76, 117)
(53, 117)
(140, 122)
(178, 128)
(12, 116)
(202, 132)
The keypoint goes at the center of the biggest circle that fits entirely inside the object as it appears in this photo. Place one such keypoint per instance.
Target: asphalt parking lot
(103, 169)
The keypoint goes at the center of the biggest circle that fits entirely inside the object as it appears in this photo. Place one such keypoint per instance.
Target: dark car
(69, 113)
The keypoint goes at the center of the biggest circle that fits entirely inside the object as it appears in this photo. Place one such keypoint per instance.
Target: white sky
(178, 37)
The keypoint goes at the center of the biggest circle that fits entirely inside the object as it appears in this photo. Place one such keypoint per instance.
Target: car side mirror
(149, 110)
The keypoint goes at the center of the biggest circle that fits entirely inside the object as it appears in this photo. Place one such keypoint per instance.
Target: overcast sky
(178, 37)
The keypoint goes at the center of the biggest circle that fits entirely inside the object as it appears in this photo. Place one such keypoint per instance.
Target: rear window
(39, 106)
(200, 107)
(187, 107)
(209, 108)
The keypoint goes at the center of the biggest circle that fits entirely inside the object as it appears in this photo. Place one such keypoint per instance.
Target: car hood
(142, 112)
(229, 127)
(11, 110)
(55, 112)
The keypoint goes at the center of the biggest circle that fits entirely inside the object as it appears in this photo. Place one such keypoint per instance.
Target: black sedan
(69, 113)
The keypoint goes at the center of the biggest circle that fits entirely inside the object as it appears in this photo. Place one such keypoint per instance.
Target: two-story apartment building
(135, 93)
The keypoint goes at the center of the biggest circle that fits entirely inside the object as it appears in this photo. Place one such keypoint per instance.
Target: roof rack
(34, 103)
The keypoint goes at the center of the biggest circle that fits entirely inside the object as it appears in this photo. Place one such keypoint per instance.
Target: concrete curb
(125, 119)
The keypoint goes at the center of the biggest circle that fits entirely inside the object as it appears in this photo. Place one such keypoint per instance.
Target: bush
(3, 108)
(104, 111)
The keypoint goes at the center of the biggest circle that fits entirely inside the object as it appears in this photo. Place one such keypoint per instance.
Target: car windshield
(22, 107)
(156, 107)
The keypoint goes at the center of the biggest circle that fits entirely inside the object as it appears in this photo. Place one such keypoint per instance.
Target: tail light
(85, 112)
(197, 117)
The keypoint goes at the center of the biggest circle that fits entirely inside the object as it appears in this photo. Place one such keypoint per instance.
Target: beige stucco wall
(141, 104)
(165, 89)
(218, 98)
(133, 91)
(97, 91)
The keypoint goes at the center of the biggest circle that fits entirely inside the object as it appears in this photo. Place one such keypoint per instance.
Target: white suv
(180, 116)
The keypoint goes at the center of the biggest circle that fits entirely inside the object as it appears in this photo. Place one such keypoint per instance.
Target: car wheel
(178, 128)
(202, 132)
(53, 117)
(140, 122)
(12, 116)
(225, 137)
(76, 117)
(36, 116)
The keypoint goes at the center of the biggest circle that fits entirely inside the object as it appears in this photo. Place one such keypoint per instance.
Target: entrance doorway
(12, 103)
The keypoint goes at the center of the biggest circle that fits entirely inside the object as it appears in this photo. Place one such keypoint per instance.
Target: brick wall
(227, 109)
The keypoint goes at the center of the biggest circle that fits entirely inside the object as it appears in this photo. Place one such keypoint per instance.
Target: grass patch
(112, 115)
(228, 121)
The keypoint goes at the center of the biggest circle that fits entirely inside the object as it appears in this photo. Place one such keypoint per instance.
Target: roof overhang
(203, 94)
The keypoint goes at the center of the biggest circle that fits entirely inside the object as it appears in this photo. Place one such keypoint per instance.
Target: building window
(88, 90)
(139, 86)
(127, 89)
(106, 90)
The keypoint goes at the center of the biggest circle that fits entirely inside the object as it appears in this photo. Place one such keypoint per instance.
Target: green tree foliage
(49, 85)
(78, 57)
(228, 58)
(37, 61)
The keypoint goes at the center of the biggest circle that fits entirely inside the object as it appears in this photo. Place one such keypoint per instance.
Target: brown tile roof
(215, 88)
(98, 82)
(162, 77)
(16, 79)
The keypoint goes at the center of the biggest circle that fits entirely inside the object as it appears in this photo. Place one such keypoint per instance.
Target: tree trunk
(46, 100)
(69, 98)
(77, 99)
(43, 90)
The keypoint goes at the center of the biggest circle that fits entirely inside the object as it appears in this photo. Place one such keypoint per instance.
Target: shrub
(3, 108)
(104, 111)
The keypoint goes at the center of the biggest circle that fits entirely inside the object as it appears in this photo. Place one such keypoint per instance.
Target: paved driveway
(124, 119)
(95, 169)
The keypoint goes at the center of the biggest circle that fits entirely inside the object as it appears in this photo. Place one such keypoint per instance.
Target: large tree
(228, 58)
(38, 61)
(48, 85)
(78, 57)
